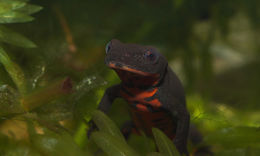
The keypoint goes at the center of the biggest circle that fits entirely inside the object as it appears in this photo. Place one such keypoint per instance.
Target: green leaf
(14, 17)
(164, 144)
(154, 154)
(113, 146)
(14, 71)
(11, 37)
(9, 5)
(80, 135)
(30, 9)
(106, 125)
(4, 58)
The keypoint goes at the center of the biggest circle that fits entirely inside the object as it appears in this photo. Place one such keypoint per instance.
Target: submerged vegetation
(51, 84)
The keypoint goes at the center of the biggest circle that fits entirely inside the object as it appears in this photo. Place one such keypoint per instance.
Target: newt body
(155, 95)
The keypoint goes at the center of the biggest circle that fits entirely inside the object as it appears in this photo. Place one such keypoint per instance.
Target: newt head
(134, 62)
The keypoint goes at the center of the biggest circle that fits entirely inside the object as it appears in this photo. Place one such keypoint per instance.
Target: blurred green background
(48, 92)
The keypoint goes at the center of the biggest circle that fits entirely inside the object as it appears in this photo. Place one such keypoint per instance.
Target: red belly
(145, 120)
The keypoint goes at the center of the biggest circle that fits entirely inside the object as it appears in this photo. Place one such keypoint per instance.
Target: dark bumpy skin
(153, 91)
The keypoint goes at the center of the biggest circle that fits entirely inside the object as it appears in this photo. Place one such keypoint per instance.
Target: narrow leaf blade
(11, 37)
(30, 9)
(8, 5)
(112, 145)
(164, 144)
(107, 125)
(15, 17)
(154, 154)
(14, 71)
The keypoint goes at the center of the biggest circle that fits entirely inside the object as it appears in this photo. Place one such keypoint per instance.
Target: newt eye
(108, 47)
(149, 55)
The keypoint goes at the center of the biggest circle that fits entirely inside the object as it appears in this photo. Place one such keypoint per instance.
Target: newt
(154, 93)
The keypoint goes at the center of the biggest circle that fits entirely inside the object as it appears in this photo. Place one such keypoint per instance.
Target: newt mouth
(133, 76)
(119, 66)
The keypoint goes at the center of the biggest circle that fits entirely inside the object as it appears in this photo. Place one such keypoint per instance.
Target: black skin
(170, 91)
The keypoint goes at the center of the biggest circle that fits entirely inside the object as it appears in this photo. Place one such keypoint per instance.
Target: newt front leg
(108, 98)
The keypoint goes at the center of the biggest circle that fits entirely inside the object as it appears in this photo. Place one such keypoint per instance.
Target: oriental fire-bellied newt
(155, 95)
